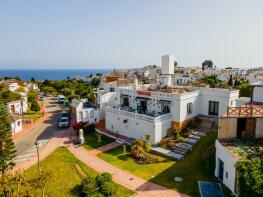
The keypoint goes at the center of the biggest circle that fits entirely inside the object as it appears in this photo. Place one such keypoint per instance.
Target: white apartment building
(148, 111)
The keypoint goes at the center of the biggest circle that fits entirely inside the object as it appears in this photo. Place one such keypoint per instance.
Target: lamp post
(38, 161)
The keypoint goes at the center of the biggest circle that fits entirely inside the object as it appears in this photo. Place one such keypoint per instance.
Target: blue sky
(129, 33)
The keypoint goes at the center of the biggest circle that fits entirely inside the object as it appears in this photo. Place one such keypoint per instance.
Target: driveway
(42, 132)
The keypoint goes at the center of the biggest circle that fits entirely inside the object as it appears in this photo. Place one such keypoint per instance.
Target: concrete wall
(229, 166)
(227, 127)
(258, 94)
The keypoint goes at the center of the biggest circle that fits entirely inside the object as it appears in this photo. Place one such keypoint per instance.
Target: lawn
(197, 165)
(91, 139)
(33, 116)
(66, 177)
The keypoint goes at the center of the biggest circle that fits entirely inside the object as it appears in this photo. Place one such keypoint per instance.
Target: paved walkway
(142, 187)
(139, 185)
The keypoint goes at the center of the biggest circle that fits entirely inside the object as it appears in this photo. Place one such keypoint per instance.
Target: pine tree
(7, 146)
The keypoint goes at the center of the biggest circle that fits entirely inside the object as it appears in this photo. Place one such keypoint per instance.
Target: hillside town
(194, 116)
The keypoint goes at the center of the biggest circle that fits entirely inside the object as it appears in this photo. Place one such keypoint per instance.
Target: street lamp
(38, 161)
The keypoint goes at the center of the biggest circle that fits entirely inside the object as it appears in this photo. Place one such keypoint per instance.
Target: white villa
(240, 131)
(149, 111)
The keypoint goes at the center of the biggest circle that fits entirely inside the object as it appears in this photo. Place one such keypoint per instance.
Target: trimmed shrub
(102, 178)
(108, 189)
(89, 186)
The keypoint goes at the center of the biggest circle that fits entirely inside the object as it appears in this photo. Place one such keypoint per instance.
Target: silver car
(63, 122)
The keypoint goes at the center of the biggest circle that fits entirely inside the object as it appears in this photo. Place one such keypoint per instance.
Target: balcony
(245, 111)
(128, 112)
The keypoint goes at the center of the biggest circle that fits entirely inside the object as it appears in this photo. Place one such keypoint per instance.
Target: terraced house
(149, 111)
(240, 135)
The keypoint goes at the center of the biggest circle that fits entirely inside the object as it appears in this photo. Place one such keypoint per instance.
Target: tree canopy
(7, 146)
(207, 64)
(245, 90)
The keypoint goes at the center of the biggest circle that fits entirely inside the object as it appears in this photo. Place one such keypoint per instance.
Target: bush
(89, 186)
(34, 106)
(90, 128)
(102, 178)
(98, 186)
(108, 189)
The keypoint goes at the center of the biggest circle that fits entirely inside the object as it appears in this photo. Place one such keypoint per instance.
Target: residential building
(150, 111)
(240, 133)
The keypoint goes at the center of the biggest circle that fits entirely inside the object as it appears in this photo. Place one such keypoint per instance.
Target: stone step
(195, 136)
(167, 153)
(199, 133)
(180, 150)
(191, 141)
(185, 146)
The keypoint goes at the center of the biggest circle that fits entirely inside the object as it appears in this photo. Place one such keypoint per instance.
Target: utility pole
(38, 161)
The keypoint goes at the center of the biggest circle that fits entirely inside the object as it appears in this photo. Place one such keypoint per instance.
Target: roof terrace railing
(245, 111)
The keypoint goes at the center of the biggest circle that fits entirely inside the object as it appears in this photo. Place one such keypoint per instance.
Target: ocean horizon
(51, 74)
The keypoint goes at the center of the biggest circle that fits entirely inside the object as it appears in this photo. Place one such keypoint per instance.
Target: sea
(60, 74)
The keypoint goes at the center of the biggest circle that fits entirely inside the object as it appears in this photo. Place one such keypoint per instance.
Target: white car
(63, 122)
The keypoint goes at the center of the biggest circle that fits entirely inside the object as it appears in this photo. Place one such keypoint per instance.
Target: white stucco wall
(87, 115)
(258, 94)
(17, 107)
(229, 166)
(16, 126)
(137, 125)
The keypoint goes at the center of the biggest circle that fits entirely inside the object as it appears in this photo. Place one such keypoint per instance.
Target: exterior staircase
(182, 148)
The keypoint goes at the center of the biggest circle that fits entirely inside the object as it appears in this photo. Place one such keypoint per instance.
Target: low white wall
(229, 166)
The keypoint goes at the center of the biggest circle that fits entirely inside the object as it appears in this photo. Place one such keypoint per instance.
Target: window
(92, 114)
(126, 101)
(189, 108)
(18, 123)
(111, 89)
(213, 108)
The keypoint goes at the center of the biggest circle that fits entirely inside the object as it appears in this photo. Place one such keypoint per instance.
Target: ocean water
(26, 75)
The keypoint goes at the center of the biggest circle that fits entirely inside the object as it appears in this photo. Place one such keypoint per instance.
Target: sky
(129, 33)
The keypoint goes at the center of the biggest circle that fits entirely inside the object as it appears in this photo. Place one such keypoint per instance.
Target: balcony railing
(245, 111)
(136, 115)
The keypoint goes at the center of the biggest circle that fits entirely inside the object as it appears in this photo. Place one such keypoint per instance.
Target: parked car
(63, 122)
(41, 98)
(48, 94)
(66, 114)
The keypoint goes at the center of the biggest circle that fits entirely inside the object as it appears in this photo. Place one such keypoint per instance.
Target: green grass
(196, 165)
(33, 115)
(65, 177)
(91, 140)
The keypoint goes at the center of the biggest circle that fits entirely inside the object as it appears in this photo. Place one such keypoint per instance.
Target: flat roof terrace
(243, 149)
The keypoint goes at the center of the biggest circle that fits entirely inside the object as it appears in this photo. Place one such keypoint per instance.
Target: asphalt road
(42, 132)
